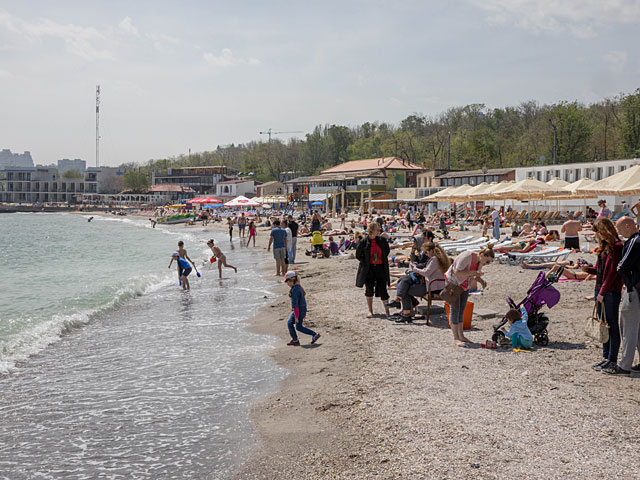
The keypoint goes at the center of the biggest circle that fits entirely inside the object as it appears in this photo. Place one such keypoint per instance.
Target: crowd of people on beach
(428, 271)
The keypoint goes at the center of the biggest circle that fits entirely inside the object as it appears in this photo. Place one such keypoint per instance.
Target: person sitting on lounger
(570, 270)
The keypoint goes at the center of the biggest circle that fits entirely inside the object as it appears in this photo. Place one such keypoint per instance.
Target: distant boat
(176, 218)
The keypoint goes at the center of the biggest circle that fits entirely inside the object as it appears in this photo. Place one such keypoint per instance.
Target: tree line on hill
(468, 137)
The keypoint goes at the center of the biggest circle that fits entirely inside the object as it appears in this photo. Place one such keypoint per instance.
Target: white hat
(175, 254)
(290, 275)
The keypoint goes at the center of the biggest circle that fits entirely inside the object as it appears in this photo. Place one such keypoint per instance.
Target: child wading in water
(184, 269)
(252, 233)
(519, 331)
(299, 307)
(222, 258)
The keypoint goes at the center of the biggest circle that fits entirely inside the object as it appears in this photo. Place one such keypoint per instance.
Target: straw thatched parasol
(621, 184)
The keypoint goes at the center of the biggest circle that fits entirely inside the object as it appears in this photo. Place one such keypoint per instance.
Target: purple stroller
(540, 293)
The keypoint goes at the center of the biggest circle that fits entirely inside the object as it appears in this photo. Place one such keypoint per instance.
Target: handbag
(597, 328)
(451, 292)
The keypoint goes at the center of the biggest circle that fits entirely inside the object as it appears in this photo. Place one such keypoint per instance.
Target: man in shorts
(242, 223)
(571, 230)
(278, 238)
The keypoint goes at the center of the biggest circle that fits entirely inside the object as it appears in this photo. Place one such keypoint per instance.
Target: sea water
(108, 369)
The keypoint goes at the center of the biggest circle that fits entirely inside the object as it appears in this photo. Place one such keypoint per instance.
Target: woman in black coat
(373, 272)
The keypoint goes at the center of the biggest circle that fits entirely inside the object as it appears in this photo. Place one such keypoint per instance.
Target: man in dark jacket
(629, 268)
(373, 271)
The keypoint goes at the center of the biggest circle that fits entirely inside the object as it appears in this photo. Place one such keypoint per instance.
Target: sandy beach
(376, 399)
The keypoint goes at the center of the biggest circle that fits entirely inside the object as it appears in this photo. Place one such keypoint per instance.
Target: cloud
(227, 59)
(616, 59)
(580, 18)
(80, 41)
(163, 43)
(127, 26)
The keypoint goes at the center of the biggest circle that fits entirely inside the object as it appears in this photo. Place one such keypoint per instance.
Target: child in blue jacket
(299, 307)
(519, 332)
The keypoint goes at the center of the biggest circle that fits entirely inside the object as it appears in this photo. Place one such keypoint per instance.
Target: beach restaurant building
(200, 179)
(352, 182)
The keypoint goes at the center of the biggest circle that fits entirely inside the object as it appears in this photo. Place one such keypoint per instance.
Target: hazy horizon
(193, 76)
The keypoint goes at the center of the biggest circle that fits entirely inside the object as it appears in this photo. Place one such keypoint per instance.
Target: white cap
(175, 254)
(289, 275)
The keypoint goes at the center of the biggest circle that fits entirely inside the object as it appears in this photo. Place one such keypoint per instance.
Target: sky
(180, 75)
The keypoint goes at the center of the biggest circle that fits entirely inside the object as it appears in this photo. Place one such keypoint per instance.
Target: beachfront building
(271, 189)
(202, 180)
(76, 165)
(233, 188)
(353, 183)
(44, 185)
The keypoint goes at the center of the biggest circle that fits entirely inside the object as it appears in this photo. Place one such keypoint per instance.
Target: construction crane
(270, 132)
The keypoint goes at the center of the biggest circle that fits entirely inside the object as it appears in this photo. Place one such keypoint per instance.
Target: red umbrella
(204, 200)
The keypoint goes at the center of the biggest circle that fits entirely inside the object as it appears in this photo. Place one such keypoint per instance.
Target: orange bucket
(468, 315)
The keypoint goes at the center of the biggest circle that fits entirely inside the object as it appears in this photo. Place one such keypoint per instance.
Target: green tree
(630, 128)
(136, 181)
(572, 132)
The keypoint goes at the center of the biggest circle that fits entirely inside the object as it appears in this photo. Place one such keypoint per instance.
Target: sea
(108, 369)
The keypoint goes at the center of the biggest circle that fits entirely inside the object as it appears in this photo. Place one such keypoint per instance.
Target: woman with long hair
(373, 271)
(416, 283)
(466, 266)
(608, 290)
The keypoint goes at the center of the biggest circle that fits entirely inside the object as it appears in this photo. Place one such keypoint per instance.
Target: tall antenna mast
(97, 125)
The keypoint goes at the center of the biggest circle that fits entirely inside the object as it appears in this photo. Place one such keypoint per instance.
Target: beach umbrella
(528, 189)
(457, 193)
(242, 201)
(204, 200)
(480, 190)
(621, 184)
(434, 197)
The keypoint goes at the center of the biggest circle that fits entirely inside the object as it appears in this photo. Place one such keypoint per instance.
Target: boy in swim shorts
(184, 269)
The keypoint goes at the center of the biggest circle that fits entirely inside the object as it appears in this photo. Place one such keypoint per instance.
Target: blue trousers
(298, 325)
(611, 306)
(496, 228)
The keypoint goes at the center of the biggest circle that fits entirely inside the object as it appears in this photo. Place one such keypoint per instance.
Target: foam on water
(121, 373)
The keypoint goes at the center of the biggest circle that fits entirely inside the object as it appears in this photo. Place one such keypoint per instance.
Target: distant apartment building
(201, 179)
(66, 165)
(270, 188)
(43, 184)
(8, 159)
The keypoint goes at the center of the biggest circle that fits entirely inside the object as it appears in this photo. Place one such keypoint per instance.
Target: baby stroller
(540, 294)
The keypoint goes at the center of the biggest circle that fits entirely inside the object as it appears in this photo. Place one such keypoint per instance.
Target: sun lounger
(536, 256)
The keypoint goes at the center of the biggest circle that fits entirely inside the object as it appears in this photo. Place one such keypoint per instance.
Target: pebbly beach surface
(376, 399)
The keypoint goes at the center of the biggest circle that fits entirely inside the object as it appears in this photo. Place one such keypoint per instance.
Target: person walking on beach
(294, 238)
(466, 266)
(608, 289)
(252, 233)
(230, 225)
(222, 258)
(278, 237)
(373, 271)
(629, 268)
(184, 269)
(571, 229)
(299, 307)
(495, 219)
(242, 223)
